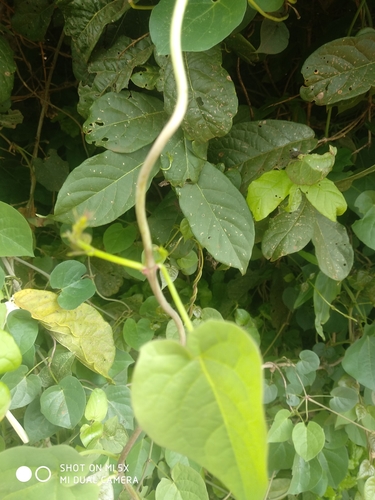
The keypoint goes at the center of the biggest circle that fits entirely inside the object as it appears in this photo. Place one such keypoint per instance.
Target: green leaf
(359, 361)
(36, 425)
(205, 401)
(102, 186)
(326, 198)
(114, 65)
(124, 122)
(183, 160)
(23, 328)
(114, 436)
(52, 171)
(369, 489)
(306, 475)
(11, 119)
(205, 24)
(258, 147)
(344, 399)
(186, 484)
(137, 334)
(58, 459)
(31, 19)
(5, 399)
(116, 238)
(139, 461)
(10, 355)
(85, 21)
(119, 405)
(274, 37)
(308, 440)
(189, 263)
(337, 461)
(332, 247)
(212, 97)
(280, 456)
(364, 228)
(266, 193)
(74, 290)
(288, 232)
(15, 234)
(269, 5)
(66, 273)
(310, 362)
(282, 427)
(24, 388)
(97, 406)
(148, 78)
(7, 69)
(312, 168)
(64, 404)
(91, 433)
(219, 217)
(83, 331)
(365, 201)
(341, 69)
(325, 292)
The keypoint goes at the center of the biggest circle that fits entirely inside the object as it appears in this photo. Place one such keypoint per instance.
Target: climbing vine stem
(153, 155)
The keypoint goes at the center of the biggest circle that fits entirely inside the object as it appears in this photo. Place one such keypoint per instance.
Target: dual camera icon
(42, 474)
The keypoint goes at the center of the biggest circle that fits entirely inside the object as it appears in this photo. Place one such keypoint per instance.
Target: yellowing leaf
(82, 330)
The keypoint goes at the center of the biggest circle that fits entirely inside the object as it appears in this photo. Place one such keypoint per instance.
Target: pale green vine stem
(17, 427)
(154, 153)
(176, 298)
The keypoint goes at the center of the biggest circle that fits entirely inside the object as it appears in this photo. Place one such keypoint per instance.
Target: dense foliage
(261, 211)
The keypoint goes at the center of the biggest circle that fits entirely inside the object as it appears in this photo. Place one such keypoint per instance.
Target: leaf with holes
(183, 160)
(113, 66)
(206, 23)
(102, 186)
(266, 193)
(326, 198)
(258, 147)
(124, 122)
(212, 96)
(339, 70)
(219, 217)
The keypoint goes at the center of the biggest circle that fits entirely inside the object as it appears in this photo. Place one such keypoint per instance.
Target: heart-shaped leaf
(308, 440)
(64, 404)
(205, 401)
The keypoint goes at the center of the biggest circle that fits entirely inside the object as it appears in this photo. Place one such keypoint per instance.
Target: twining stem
(154, 153)
(75, 237)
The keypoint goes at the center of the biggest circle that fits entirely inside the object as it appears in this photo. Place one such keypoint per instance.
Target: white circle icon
(43, 467)
(23, 474)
